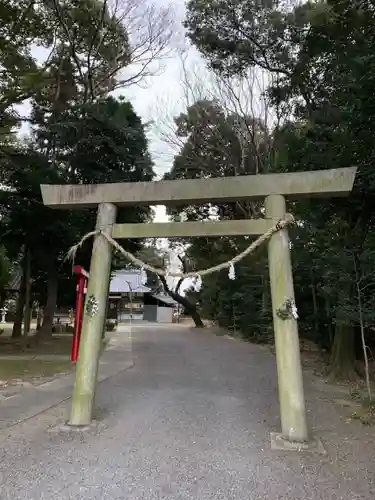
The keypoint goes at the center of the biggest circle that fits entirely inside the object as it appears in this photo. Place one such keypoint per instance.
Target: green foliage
(236, 34)
(220, 144)
(92, 46)
(84, 45)
(20, 75)
(241, 305)
(106, 143)
(110, 131)
(321, 63)
(64, 57)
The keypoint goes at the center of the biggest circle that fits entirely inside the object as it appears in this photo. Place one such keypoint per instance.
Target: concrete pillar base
(67, 428)
(280, 443)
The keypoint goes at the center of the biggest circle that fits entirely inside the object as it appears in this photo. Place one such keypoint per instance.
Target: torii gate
(274, 189)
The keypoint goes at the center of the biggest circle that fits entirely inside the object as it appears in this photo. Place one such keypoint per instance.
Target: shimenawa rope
(288, 220)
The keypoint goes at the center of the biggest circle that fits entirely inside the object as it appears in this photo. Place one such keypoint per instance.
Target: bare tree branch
(153, 36)
(247, 111)
(99, 28)
(151, 33)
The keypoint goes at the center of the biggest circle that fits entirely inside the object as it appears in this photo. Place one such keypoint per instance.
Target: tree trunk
(50, 307)
(315, 303)
(30, 317)
(343, 353)
(190, 308)
(27, 312)
(327, 309)
(17, 325)
(343, 348)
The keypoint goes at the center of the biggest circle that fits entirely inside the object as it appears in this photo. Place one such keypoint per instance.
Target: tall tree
(213, 147)
(115, 136)
(218, 144)
(101, 38)
(87, 46)
(321, 56)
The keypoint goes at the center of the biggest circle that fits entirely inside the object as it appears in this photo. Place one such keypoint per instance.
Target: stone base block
(280, 443)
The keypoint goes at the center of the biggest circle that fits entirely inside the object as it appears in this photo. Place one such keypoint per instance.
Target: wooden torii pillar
(274, 189)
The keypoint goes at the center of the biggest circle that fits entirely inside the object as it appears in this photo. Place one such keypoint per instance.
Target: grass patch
(56, 344)
(30, 369)
(15, 370)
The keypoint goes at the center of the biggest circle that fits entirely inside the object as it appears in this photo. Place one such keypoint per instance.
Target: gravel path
(191, 420)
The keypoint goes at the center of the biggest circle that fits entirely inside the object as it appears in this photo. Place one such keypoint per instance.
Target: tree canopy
(64, 59)
(319, 58)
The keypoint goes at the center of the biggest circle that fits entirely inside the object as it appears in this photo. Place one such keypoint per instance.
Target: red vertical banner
(82, 276)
